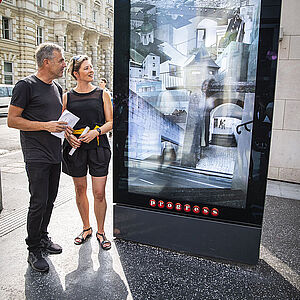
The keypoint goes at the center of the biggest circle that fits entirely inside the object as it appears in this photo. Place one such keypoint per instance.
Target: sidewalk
(135, 271)
(79, 272)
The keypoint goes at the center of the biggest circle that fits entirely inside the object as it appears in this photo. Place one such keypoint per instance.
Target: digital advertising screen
(193, 105)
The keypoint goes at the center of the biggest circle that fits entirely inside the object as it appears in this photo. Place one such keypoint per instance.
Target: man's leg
(54, 176)
(38, 178)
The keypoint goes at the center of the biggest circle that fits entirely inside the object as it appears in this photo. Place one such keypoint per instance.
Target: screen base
(238, 243)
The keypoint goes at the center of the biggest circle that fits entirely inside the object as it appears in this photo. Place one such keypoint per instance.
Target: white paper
(68, 117)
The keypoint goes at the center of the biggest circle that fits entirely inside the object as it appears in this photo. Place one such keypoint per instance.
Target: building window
(65, 43)
(6, 28)
(39, 3)
(153, 64)
(39, 35)
(61, 5)
(153, 73)
(94, 16)
(80, 7)
(108, 22)
(200, 36)
(8, 73)
(173, 70)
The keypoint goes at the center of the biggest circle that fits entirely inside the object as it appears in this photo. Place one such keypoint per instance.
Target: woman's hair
(103, 79)
(75, 63)
(207, 87)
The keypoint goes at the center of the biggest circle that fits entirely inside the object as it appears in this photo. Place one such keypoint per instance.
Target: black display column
(193, 100)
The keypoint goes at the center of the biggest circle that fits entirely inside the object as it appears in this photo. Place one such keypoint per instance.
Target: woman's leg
(99, 201)
(82, 202)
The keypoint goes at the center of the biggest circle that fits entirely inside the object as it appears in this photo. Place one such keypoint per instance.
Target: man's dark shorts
(96, 160)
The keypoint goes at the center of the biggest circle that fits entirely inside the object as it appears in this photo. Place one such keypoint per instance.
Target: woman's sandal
(104, 242)
(80, 239)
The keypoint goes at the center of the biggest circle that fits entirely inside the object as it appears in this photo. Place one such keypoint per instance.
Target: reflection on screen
(192, 82)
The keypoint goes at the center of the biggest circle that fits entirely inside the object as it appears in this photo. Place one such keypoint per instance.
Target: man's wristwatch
(99, 130)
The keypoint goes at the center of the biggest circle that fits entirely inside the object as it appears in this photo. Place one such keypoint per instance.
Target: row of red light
(187, 207)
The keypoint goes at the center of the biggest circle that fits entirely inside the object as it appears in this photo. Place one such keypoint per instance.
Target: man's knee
(37, 207)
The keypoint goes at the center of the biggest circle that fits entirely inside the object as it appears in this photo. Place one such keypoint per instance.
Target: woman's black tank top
(89, 108)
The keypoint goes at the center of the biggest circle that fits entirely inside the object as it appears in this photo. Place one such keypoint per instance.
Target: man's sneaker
(37, 261)
(49, 246)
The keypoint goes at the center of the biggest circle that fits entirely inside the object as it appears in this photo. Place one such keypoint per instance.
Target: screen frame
(260, 145)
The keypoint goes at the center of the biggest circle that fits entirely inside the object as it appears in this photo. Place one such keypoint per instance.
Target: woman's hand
(86, 138)
(69, 130)
(72, 139)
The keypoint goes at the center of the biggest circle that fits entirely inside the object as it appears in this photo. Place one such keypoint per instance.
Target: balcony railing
(171, 80)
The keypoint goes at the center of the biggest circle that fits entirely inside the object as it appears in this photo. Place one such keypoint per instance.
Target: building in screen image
(192, 91)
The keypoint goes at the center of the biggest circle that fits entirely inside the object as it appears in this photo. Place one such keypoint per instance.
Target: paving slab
(280, 234)
(135, 271)
(153, 273)
(80, 272)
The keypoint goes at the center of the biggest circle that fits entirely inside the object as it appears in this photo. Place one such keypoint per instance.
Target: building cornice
(9, 43)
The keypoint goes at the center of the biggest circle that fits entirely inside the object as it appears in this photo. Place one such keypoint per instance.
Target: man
(35, 104)
(102, 85)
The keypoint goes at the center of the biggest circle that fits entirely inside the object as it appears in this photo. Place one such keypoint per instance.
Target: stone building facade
(284, 157)
(79, 26)
(86, 26)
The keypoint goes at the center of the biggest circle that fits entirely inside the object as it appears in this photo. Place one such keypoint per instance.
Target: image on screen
(192, 89)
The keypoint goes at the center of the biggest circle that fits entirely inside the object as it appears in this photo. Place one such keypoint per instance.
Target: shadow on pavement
(154, 273)
(82, 283)
(39, 286)
(85, 283)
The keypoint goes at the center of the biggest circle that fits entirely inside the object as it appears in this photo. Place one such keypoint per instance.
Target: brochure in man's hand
(68, 117)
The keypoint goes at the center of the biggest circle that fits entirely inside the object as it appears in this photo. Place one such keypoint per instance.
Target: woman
(93, 106)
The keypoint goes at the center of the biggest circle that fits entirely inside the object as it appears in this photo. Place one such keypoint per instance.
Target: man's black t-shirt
(41, 102)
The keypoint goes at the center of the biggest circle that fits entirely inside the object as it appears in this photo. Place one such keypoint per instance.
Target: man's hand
(55, 126)
(15, 120)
